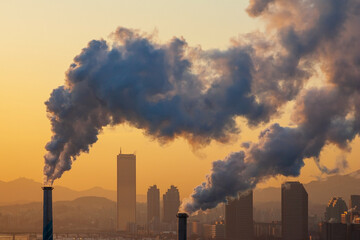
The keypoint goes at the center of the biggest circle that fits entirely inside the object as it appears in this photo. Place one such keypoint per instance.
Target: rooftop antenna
(120, 150)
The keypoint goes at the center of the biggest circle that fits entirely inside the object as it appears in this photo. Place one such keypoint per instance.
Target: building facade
(126, 192)
(153, 208)
(334, 209)
(294, 211)
(239, 224)
(171, 202)
(218, 230)
(354, 207)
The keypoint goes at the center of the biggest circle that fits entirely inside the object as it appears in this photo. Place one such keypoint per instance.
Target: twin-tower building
(239, 223)
(126, 198)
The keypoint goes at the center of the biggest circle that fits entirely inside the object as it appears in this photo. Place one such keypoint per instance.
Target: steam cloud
(327, 114)
(172, 90)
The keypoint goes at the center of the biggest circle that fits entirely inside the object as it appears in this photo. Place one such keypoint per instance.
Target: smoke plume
(172, 90)
(327, 114)
(168, 90)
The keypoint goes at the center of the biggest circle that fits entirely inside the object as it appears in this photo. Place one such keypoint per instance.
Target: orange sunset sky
(38, 42)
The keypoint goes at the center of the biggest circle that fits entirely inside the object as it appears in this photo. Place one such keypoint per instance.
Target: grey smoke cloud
(323, 115)
(164, 90)
(279, 150)
(172, 90)
(257, 7)
(151, 87)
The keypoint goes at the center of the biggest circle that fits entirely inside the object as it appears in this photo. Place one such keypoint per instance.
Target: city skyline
(293, 194)
(199, 120)
(69, 41)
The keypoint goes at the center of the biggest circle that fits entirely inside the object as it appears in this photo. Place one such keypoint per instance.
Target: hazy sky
(38, 42)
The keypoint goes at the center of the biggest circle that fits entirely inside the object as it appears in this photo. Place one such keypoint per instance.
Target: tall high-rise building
(239, 224)
(126, 191)
(294, 211)
(171, 201)
(153, 208)
(334, 209)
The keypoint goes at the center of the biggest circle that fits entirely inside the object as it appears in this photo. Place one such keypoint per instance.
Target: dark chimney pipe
(47, 214)
(182, 225)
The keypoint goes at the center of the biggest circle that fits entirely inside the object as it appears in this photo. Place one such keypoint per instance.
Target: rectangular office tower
(239, 223)
(153, 208)
(126, 192)
(294, 211)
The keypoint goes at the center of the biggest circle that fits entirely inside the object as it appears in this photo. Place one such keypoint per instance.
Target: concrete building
(294, 211)
(354, 207)
(334, 209)
(267, 230)
(334, 231)
(239, 217)
(218, 230)
(340, 231)
(354, 201)
(196, 229)
(153, 208)
(171, 202)
(126, 192)
(207, 231)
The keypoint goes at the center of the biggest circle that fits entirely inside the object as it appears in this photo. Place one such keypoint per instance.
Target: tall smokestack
(182, 225)
(47, 214)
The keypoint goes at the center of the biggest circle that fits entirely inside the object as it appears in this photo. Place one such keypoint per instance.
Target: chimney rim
(182, 215)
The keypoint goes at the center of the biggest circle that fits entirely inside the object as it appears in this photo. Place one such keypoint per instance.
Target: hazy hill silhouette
(25, 190)
(320, 191)
(80, 215)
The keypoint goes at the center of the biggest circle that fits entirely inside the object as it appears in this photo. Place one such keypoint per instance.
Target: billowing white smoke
(172, 90)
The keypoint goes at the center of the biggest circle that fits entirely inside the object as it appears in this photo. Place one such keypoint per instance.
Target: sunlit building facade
(294, 211)
(239, 217)
(153, 208)
(171, 202)
(126, 192)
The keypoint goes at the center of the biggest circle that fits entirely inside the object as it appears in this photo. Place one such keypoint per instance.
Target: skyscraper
(171, 201)
(239, 224)
(294, 211)
(126, 191)
(335, 208)
(153, 208)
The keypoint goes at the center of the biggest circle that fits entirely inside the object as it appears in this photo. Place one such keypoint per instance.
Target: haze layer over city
(128, 113)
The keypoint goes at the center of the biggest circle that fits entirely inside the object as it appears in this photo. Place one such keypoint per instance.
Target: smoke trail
(328, 114)
(151, 87)
(171, 90)
(279, 150)
(166, 90)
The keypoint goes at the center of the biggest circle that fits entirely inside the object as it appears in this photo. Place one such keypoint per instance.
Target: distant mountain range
(24, 190)
(320, 192)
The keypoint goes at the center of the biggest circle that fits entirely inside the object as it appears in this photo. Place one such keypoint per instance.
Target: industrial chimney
(47, 214)
(182, 225)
